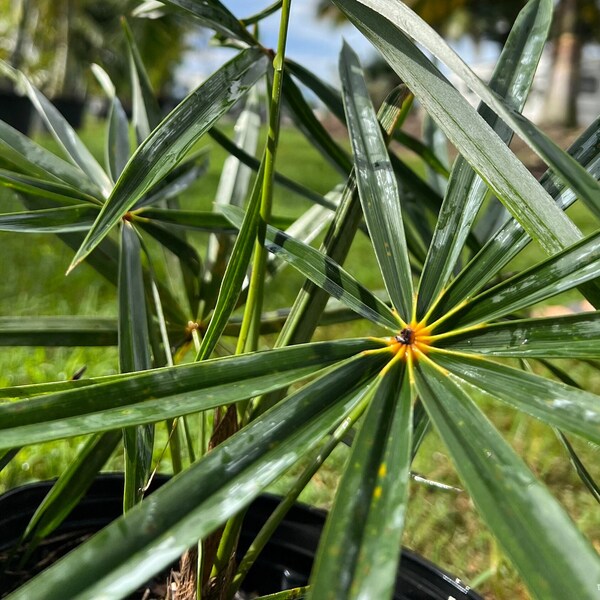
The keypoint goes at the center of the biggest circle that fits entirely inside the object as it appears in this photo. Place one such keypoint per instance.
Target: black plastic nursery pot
(285, 562)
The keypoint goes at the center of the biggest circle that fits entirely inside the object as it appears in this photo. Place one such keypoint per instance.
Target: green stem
(249, 335)
(248, 338)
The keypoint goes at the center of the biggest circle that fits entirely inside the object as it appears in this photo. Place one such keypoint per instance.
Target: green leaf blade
(34, 160)
(563, 271)
(66, 136)
(192, 505)
(50, 220)
(377, 185)
(487, 154)
(511, 238)
(325, 273)
(360, 547)
(572, 336)
(57, 331)
(563, 406)
(134, 355)
(151, 396)
(552, 556)
(168, 143)
(406, 21)
(512, 79)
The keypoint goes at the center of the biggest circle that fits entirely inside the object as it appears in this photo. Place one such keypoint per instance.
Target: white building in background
(588, 101)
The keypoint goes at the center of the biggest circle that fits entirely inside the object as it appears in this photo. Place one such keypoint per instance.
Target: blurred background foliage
(55, 41)
(576, 23)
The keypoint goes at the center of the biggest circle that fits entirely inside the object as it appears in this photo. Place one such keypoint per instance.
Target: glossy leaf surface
(511, 238)
(50, 220)
(325, 273)
(192, 505)
(57, 331)
(167, 144)
(377, 185)
(164, 393)
(565, 270)
(553, 558)
(572, 336)
(34, 160)
(400, 16)
(512, 78)
(486, 153)
(360, 547)
(569, 408)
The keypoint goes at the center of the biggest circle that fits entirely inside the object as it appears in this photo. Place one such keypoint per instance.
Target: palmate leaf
(563, 271)
(406, 21)
(324, 272)
(192, 505)
(486, 153)
(168, 143)
(553, 558)
(571, 409)
(151, 396)
(377, 185)
(572, 336)
(360, 547)
(512, 79)
(511, 238)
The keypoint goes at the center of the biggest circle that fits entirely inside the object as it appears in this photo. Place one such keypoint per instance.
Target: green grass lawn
(442, 525)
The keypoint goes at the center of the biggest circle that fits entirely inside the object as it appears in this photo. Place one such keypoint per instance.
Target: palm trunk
(563, 86)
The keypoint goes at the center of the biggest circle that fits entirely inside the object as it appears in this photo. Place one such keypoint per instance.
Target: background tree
(71, 34)
(576, 23)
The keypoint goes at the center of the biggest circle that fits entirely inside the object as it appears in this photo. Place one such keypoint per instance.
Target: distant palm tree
(69, 35)
(576, 23)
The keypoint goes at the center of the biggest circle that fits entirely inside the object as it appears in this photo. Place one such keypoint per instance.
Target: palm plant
(448, 319)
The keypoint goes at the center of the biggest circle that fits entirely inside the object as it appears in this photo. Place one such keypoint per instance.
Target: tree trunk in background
(560, 107)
